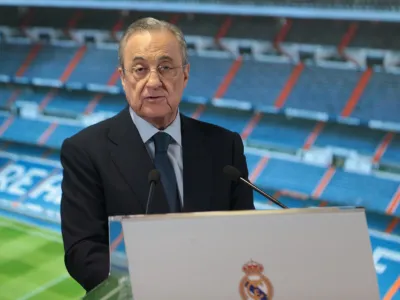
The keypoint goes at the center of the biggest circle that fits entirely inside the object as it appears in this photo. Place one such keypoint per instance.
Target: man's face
(154, 78)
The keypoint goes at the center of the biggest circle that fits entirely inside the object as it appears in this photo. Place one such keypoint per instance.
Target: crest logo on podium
(254, 284)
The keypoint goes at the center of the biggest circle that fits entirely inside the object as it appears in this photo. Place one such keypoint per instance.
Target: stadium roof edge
(233, 9)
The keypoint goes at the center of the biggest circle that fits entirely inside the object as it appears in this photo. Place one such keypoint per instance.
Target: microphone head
(233, 173)
(154, 176)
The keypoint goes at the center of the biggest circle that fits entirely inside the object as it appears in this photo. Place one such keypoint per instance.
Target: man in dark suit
(106, 165)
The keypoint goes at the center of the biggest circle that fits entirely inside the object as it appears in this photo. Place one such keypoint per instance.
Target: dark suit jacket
(106, 167)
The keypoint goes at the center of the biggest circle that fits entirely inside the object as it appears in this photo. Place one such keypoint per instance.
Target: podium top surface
(291, 211)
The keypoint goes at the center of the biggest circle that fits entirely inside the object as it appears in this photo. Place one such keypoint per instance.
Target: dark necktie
(164, 166)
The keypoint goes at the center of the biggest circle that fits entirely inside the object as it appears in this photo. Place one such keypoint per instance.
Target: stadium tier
(30, 182)
(271, 131)
(318, 89)
(320, 124)
(342, 188)
(377, 35)
(268, 80)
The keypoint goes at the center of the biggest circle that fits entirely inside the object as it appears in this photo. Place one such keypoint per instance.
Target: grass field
(31, 264)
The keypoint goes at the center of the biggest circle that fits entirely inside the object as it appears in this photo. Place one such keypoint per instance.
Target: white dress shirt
(147, 131)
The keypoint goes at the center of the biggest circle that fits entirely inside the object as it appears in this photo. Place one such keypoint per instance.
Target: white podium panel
(294, 254)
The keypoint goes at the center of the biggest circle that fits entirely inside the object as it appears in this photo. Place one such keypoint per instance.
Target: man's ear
(122, 76)
(186, 70)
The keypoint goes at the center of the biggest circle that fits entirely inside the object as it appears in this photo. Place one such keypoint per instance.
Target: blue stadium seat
(323, 90)
(279, 132)
(281, 174)
(381, 222)
(50, 62)
(17, 132)
(52, 155)
(252, 160)
(206, 74)
(25, 149)
(5, 94)
(234, 120)
(4, 161)
(60, 134)
(380, 99)
(96, 66)
(188, 108)
(392, 153)
(361, 139)
(372, 192)
(111, 103)
(12, 57)
(36, 95)
(69, 102)
(259, 82)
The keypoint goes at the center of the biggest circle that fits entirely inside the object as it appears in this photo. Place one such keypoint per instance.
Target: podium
(292, 254)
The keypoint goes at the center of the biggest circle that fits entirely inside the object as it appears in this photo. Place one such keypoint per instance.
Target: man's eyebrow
(161, 58)
(166, 57)
(136, 58)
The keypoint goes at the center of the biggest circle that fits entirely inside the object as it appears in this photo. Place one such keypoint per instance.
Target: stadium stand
(392, 153)
(320, 122)
(380, 99)
(321, 95)
(267, 83)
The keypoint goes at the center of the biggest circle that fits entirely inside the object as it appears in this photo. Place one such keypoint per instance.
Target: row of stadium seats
(344, 188)
(271, 131)
(42, 191)
(49, 62)
(318, 89)
(367, 34)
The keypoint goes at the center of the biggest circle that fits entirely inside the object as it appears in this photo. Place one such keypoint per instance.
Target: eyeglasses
(165, 72)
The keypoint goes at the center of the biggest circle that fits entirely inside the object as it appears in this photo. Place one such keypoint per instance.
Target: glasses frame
(131, 71)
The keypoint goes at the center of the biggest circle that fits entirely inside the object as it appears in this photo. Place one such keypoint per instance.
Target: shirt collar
(147, 130)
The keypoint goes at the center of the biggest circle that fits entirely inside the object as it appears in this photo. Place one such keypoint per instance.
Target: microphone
(153, 179)
(235, 175)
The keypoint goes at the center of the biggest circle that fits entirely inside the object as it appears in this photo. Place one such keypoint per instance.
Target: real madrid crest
(254, 284)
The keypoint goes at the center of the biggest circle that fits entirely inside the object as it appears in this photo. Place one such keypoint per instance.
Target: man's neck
(163, 122)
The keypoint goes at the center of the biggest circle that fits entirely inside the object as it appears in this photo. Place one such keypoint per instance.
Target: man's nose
(154, 79)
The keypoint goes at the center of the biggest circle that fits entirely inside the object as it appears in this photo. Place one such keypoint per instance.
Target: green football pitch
(31, 264)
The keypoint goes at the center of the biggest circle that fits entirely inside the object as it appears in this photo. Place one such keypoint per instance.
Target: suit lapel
(130, 156)
(197, 167)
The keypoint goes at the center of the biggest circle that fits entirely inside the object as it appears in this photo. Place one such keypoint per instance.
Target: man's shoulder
(93, 134)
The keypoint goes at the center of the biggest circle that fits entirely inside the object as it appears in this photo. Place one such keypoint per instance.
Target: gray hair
(148, 24)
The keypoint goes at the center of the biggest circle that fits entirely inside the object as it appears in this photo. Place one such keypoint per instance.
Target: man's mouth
(154, 98)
